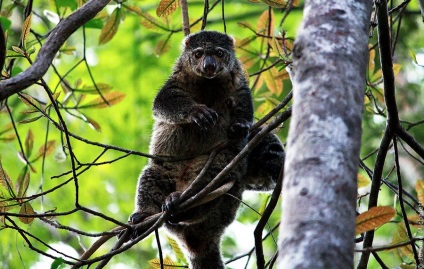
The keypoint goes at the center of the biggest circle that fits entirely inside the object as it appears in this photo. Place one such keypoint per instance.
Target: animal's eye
(198, 54)
(220, 53)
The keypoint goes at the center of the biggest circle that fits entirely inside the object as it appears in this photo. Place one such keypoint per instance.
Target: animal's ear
(186, 41)
(231, 39)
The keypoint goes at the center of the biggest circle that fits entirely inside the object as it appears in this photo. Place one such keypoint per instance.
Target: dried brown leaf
(26, 209)
(111, 27)
(26, 30)
(112, 98)
(45, 150)
(166, 7)
(374, 218)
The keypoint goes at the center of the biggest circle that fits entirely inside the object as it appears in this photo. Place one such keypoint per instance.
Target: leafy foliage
(71, 143)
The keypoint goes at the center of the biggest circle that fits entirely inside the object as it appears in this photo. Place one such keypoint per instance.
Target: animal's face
(210, 53)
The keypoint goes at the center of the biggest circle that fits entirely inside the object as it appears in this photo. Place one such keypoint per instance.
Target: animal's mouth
(210, 74)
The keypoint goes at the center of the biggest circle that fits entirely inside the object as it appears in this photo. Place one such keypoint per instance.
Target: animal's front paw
(239, 129)
(172, 204)
(203, 116)
(136, 217)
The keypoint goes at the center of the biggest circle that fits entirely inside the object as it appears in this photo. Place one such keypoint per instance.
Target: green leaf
(58, 263)
(66, 3)
(30, 120)
(101, 87)
(8, 127)
(5, 22)
(6, 185)
(23, 182)
(95, 23)
(111, 26)
(413, 56)
(29, 143)
(29, 101)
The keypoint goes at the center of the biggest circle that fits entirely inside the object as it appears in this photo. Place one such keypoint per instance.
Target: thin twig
(401, 202)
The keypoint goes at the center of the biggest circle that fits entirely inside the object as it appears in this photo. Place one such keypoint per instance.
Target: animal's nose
(209, 65)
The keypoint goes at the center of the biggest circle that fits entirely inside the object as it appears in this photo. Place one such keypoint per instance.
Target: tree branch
(56, 39)
(186, 21)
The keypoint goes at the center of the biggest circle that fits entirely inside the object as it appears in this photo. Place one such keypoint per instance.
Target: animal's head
(209, 53)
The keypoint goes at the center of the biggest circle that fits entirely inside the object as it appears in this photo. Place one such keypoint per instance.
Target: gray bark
(319, 191)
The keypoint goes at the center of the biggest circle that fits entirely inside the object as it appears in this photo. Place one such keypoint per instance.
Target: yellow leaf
(363, 181)
(273, 84)
(18, 50)
(25, 30)
(396, 69)
(26, 209)
(177, 250)
(166, 7)
(167, 262)
(371, 61)
(111, 99)
(419, 187)
(401, 236)
(374, 218)
(377, 75)
(111, 26)
(277, 49)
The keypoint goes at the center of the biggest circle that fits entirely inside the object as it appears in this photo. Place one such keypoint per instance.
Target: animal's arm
(174, 105)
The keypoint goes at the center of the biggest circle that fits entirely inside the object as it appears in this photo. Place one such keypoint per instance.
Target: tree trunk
(319, 193)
